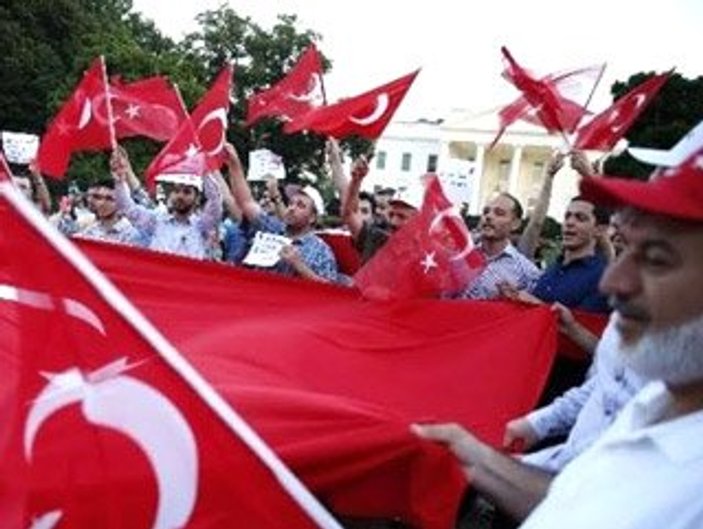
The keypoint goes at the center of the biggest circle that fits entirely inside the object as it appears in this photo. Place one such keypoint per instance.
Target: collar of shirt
(677, 438)
(509, 251)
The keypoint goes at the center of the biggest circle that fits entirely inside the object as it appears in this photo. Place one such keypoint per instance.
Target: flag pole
(108, 102)
(322, 80)
(590, 95)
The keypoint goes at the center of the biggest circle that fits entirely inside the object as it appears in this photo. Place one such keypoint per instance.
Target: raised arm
(140, 216)
(212, 210)
(41, 193)
(233, 210)
(530, 235)
(334, 156)
(350, 198)
(240, 188)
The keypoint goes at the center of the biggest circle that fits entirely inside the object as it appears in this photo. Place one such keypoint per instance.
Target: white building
(516, 164)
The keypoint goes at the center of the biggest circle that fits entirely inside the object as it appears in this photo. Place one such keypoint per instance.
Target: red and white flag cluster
(298, 99)
(546, 101)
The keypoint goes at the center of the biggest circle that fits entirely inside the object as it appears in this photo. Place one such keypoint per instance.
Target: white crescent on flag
(382, 102)
(141, 413)
(219, 114)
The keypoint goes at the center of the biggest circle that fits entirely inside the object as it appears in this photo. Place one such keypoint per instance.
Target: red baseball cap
(676, 192)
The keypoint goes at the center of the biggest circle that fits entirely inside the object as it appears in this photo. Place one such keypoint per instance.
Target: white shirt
(584, 412)
(641, 474)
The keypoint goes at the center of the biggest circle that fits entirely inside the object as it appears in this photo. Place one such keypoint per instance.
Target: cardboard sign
(264, 164)
(457, 178)
(19, 147)
(265, 249)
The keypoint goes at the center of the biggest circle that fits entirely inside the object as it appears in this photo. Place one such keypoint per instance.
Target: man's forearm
(515, 487)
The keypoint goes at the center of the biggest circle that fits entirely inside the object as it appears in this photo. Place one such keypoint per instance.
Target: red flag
(5, 172)
(182, 154)
(365, 115)
(549, 101)
(432, 254)
(294, 95)
(343, 425)
(104, 422)
(148, 107)
(82, 124)
(604, 130)
(210, 118)
(198, 145)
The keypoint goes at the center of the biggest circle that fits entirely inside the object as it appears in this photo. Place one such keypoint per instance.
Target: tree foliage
(677, 108)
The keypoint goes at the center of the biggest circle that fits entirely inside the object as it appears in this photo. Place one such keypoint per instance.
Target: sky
(457, 43)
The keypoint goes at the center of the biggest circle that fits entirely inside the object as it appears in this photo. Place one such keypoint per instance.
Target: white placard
(264, 164)
(457, 178)
(19, 147)
(266, 249)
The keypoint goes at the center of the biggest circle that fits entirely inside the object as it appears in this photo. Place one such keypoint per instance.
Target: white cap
(186, 179)
(686, 146)
(410, 196)
(316, 198)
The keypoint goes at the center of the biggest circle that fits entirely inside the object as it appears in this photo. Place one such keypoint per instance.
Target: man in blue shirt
(307, 255)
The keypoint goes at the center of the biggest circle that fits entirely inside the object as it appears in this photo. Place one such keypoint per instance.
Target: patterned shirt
(507, 266)
(167, 232)
(315, 253)
(121, 231)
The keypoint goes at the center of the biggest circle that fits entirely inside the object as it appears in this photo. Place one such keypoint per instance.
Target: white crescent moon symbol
(40, 300)
(141, 413)
(382, 102)
(451, 214)
(639, 100)
(47, 520)
(219, 114)
(86, 114)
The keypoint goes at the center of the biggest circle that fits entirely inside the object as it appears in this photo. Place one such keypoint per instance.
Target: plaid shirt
(509, 266)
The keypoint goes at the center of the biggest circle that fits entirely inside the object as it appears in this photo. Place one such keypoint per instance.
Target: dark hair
(365, 195)
(517, 207)
(386, 191)
(601, 214)
(103, 182)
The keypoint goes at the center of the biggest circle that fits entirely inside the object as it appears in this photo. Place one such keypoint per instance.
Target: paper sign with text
(19, 147)
(265, 249)
(457, 178)
(264, 164)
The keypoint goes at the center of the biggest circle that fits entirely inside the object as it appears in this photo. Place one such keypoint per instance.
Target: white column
(475, 204)
(515, 170)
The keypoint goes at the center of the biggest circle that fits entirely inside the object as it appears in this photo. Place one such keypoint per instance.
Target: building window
(432, 163)
(406, 161)
(381, 160)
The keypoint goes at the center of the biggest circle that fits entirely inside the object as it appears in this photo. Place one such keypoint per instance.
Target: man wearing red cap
(646, 471)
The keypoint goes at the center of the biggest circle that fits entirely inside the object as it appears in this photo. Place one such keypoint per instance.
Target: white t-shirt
(641, 474)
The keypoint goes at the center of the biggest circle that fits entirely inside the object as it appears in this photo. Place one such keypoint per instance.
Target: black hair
(365, 195)
(601, 214)
(517, 207)
(103, 182)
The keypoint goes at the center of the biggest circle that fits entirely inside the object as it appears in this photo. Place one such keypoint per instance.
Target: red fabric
(198, 145)
(364, 115)
(348, 258)
(5, 172)
(210, 118)
(81, 124)
(333, 381)
(148, 107)
(604, 130)
(675, 192)
(297, 93)
(593, 322)
(90, 453)
(432, 254)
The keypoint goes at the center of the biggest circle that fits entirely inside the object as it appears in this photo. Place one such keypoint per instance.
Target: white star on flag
(191, 151)
(132, 111)
(428, 262)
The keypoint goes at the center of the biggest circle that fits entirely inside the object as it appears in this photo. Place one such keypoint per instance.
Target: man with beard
(183, 230)
(646, 470)
(307, 255)
(109, 225)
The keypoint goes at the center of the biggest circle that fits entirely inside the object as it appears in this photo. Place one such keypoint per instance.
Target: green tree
(677, 108)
